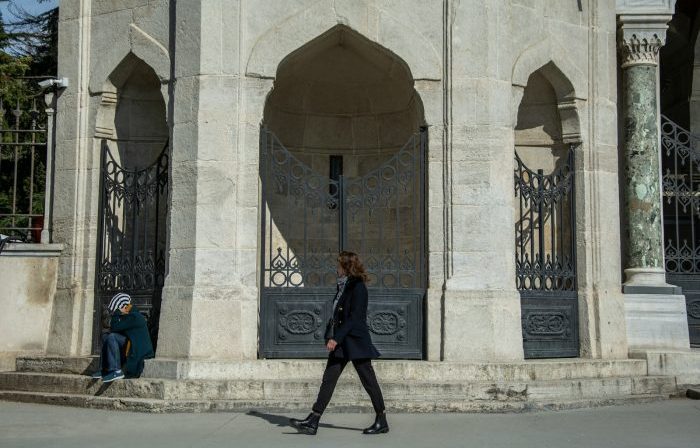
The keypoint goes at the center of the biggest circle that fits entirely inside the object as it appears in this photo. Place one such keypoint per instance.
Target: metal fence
(26, 155)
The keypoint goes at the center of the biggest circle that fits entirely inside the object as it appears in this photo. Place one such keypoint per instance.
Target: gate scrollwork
(132, 239)
(545, 258)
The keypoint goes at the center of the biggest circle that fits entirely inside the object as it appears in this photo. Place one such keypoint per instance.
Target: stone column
(655, 310)
(640, 122)
(209, 308)
(481, 304)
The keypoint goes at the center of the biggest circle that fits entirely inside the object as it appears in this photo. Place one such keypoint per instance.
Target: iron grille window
(23, 168)
(680, 152)
(544, 242)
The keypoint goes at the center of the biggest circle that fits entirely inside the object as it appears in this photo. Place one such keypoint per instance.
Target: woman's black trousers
(365, 371)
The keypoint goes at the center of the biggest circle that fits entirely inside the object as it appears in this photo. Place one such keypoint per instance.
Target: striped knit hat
(118, 301)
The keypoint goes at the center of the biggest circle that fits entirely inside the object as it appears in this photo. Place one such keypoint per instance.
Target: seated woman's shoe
(113, 376)
(380, 425)
(308, 426)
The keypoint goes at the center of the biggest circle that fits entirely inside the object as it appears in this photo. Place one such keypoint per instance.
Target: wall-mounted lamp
(58, 83)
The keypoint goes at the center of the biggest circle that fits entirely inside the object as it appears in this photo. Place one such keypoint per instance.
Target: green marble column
(641, 147)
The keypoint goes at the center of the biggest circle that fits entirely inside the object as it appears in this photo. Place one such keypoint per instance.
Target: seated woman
(126, 324)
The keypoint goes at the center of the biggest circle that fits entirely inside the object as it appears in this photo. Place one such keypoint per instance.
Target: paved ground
(667, 424)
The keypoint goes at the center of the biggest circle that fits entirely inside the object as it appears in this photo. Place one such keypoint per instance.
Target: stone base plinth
(482, 325)
(286, 385)
(7, 361)
(656, 321)
(396, 370)
(684, 365)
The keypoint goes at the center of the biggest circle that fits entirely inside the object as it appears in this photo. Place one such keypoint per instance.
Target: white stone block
(482, 326)
(656, 321)
(28, 276)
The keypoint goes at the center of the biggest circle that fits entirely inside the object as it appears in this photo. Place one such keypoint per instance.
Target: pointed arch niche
(342, 93)
(132, 113)
(131, 135)
(546, 134)
(343, 151)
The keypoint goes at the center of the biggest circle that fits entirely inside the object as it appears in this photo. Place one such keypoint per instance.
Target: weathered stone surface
(347, 389)
(684, 365)
(466, 90)
(453, 387)
(482, 326)
(401, 393)
(163, 406)
(656, 322)
(541, 370)
(28, 275)
(82, 365)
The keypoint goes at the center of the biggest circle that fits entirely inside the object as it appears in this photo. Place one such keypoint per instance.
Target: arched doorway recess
(545, 220)
(679, 70)
(132, 132)
(342, 168)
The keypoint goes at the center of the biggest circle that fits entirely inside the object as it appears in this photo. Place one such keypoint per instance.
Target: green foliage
(32, 36)
(28, 49)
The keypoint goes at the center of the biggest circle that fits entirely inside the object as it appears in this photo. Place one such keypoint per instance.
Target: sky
(32, 6)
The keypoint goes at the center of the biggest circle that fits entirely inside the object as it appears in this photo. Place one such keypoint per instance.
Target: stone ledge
(167, 406)
(57, 364)
(31, 250)
(390, 370)
(650, 289)
(348, 388)
(683, 364)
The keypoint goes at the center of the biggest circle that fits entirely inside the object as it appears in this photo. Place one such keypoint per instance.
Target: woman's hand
(331, 345)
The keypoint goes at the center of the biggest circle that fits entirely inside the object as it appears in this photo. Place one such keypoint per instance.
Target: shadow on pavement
(282, 421)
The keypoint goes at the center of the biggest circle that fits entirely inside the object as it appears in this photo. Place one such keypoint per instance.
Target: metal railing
(680, 158)
(26, 156)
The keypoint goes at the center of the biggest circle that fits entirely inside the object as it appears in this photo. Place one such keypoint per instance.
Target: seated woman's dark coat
(351, 331)
(133, 326)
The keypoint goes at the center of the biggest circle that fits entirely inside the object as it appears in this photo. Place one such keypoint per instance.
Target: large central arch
(342, 168)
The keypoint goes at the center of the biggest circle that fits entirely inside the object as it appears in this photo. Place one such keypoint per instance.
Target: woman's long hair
(351, 264)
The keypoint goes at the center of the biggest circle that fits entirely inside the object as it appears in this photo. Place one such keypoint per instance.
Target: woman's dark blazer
(351, 332)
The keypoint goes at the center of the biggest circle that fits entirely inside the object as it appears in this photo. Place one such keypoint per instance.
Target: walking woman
(348, 339)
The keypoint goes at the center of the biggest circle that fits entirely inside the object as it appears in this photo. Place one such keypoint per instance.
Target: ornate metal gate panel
(132, 236)
(680, 158)
(545, 259)
(308, 217)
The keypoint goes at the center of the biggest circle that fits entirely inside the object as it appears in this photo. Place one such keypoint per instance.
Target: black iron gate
(308, 217)
(680, 159)
(545, 259)
(131, 248)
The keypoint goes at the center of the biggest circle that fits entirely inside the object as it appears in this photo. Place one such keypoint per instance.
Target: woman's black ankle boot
(309, 425)
(380, 425)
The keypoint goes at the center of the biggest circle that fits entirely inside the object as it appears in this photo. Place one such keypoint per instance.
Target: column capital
(640, 36)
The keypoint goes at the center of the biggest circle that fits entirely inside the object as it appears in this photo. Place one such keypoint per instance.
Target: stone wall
(469, 63)
(28, 278)
(95, 37)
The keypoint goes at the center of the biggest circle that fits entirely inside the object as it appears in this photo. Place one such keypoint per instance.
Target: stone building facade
(243, 126)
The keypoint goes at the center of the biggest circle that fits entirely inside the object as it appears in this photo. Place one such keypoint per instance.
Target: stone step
(348, 388)
(388, 370)
(684, 365)
(79, 385)
(394, 370)
(78, 365)
(161, 406)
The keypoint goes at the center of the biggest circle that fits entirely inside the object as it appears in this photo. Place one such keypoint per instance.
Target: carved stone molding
(640, 37)
(640, 49)
(645, 6)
